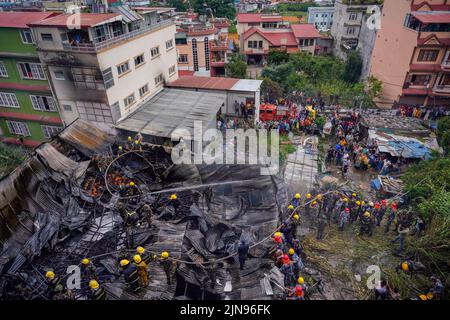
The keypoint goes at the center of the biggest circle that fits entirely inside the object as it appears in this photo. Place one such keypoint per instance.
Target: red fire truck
(270, 112)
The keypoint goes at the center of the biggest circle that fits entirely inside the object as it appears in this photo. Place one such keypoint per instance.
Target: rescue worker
(131, 275)
(167, 266)
(344, 218)
(298, 293)
(378, 213)
(401, 236)
(97, 292)
(406, 266)
(138, 141)
(321, 224)
(242, 253)
(295, 222)
(88, 269)
(132, 190)
(211, 270)
(147, 213)
(355, 211)
(53, 282)
(296, 261)
(142, 270)
(391, 217)
(307, 207)
(286, 229)
(287, 270)
(337, 209)
(119, 150)
(129, 216)
(290, 209)
(366, 224)
(381, 291)
(174, 201)
(296, 201)
(129, 144)
(144, 255)
(437, 290)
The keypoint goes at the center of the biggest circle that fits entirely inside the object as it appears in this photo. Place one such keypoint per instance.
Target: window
(207, 62)
(26, 36)
(159, 79)
(108, 78)
(155, 52)
(88, 78)
(351, 30)
(428, 55)
(255, 44)
(143, 90)
(31, 71)
(67, 107)
(139, 60)
(172, 70)
(420, 79)
(128, 101)
(306, 42)
(195, 54)
(169, 44)
(50, 131)
(181, 41)
(46, 37)
(3, 72)
(59, 75)
(8, 100)
(122, 68)
(19, 128)
(43, 103)
(353, 16)
(183, 58)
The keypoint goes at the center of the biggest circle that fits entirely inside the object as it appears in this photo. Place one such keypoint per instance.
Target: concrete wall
(315, 17)
(393, 49)
(366, 44)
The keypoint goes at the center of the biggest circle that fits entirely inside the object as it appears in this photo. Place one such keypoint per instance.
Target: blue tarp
(375, 184)
(410, 149)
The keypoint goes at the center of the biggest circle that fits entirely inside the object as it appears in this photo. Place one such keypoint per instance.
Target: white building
(321, 17)
(102, 67)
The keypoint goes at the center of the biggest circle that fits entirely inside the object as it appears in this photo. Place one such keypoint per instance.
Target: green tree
(353, 67)
(220, 8)
(277, 57)
(443, 133)
(236, 68)
(180, 5)
(271, 90)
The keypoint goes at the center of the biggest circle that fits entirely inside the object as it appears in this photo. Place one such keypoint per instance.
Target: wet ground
(341, 259)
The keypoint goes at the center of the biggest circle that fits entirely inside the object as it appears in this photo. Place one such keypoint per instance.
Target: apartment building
(103, 66)
(202, 47)
(412, 53)
(350, 30)
(321, 17)
(27, 107)
(259, 36)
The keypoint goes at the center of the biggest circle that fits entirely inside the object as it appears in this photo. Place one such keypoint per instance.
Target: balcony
(441, 89)
(98, 46)
(445, 65)
(220, 46)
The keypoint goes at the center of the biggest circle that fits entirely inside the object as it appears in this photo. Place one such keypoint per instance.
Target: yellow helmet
(345, 199)
(430, 296)
(405, 266)
(85, 261)
(296, 217)
(50, 275)
(165, 255)
(93, 284)
(314, 203)
(358, 203)
(363, 203)
(291, 251)
(129, 138)
(308, 196)
(367, 214)
(297, 196)
(319, 196)
(132, 184)
(137, 258)
(291, 207)
(120, 148)
(136, 141)
(140, 250)
(300, 280)
(173, 197)
(277, 234)
(353, 194)
(423, 297)
(124, 262)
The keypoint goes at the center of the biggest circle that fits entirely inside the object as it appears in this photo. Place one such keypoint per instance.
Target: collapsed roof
(59, 206)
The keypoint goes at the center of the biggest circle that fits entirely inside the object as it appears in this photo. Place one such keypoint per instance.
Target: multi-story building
(259, 33)
(202, 47)
(321, 17)
(103, 66)
(27, 108)
(412, 53)
(350, 31)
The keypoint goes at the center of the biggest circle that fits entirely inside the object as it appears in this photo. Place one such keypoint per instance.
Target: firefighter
(144, 255)
(97, 292)
(131, 274)
(142, 270)
(147, 213)
(54, 283)
(88, 269)
(167, 265)
(174, 201)
(366, 224)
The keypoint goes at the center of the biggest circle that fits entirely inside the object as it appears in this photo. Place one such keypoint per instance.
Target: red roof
(425, 67)
(305, 31)
(19, 19)
(184, 73)
(432, 17)
(86, 20)
(24, 87)
(276, 39)
(216, 83)
(434, 7)
(30, 117)
(442, 41)
(27, 142)
(257, 17)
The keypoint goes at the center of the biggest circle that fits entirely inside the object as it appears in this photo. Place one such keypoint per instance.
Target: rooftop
(173, 109)
(432, 17)
(257, 17)
(276, 38)
(13, 19)
(305, 31)
(204, 83)
(86, 20)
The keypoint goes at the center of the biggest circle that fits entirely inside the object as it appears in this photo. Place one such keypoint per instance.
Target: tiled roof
(85, 20)
(257, 17)
(305, 31)
(276, 39)
(216, 83)
(432, 17)
(22, 19)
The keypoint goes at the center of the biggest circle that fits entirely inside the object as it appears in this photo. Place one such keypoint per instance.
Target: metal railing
(442, 88)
